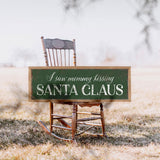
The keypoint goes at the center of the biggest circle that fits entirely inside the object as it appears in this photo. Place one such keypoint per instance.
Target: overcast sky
(106, 25)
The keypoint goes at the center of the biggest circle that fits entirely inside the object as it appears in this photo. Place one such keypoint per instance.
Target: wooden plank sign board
(79, 84)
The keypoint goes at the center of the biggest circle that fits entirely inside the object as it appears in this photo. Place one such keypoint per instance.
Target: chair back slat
(53, 57)
(58, 52)
(50, 60)
(57, 57)
(61, 57)
(68, 57)
(64, 57)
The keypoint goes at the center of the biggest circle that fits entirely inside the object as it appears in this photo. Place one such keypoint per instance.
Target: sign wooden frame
(128, 68)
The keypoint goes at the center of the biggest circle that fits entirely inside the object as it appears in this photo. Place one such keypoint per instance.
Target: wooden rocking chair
(58, 52)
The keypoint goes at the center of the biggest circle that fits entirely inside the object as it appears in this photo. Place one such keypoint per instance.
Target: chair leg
(51, 116)
(102, 119)
(74, 121)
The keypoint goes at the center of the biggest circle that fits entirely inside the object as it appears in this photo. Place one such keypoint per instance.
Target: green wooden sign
(79, 84)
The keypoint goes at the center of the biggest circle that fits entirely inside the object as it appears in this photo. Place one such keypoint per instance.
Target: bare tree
(144, 11)
(145, 14)
(76, 4)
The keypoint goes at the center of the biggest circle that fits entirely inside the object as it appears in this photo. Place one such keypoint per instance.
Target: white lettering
(109, 89)
(55, 88)
(73, 90)
(92, 90)
(51, 77)
(48, 90)
(102, 90)
(40, 90)
(83, 88)
(119, 89)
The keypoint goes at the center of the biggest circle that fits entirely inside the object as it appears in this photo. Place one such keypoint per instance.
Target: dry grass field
(133, 128)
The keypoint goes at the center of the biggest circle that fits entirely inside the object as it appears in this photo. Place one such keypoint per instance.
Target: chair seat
(88, 104)
(81, 104)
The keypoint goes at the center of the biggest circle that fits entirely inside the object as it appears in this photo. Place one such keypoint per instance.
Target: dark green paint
(42, 77)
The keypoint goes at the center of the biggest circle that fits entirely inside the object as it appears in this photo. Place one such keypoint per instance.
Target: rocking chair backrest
(59, 52)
